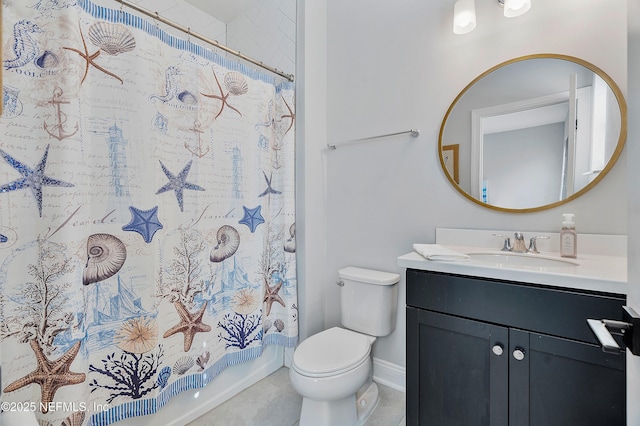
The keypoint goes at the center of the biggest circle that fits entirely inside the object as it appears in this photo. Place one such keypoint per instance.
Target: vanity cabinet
(492, 352)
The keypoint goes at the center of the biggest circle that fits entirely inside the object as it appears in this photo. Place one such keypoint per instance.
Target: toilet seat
(331, 352)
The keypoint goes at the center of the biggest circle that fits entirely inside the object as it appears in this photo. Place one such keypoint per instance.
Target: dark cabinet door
(561, 382)
(467, 372)
(459, 371)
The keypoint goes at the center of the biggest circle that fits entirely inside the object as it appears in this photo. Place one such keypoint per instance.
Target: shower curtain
(146, 213)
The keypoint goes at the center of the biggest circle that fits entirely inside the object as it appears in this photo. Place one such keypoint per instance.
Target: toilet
(332, 370)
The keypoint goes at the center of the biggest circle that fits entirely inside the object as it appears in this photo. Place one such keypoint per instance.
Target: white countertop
(595, 272)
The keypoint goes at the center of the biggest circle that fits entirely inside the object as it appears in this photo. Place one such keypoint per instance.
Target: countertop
(594, 272)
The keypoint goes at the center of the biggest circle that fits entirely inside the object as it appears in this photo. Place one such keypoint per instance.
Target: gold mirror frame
(445, 161)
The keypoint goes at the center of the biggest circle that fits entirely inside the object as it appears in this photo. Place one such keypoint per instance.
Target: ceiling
(224, 10)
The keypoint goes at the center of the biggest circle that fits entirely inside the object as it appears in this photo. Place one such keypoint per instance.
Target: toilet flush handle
(340, 283)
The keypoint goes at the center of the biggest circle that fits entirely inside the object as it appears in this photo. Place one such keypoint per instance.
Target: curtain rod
(188, 31)
(414, 132)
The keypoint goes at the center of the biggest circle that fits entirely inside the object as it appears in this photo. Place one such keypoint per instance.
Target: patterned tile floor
(273, 402)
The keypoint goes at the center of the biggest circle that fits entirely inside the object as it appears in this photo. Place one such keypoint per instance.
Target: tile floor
(273, 402)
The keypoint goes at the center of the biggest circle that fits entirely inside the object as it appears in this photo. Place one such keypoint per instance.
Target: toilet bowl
(332, 369)
(328, 370)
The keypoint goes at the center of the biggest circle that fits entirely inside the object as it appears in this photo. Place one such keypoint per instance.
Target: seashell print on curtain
(146, 213)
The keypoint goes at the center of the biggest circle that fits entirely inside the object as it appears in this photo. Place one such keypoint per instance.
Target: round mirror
(533, 133)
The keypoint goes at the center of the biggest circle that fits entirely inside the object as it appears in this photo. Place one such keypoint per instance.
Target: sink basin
(507, 259)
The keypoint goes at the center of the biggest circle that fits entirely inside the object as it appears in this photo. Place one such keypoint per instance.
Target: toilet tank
(369, 300)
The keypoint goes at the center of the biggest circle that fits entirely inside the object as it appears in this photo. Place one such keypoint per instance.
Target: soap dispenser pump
(568, 237)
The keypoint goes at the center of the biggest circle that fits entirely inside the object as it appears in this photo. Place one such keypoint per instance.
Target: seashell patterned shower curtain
(146, 213)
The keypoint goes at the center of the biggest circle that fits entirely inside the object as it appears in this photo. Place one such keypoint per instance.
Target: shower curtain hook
(156, 19)
(189, 35)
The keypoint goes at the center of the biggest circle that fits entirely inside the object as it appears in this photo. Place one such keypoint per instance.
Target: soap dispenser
(568, 237)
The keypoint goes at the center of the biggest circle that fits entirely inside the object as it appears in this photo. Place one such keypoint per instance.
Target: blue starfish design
(144, 222)
(269, 189)
(33, 179)
(178, 183)
(252, 218)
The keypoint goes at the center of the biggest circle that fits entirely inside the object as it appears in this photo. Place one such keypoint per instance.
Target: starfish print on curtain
(189, 324)
(271, 295)
(50, 375)
(178, 183)
(252, 218)
(144, 222)
(125, 44)
(235, 83)
(33, 179)
(269, 189)
(291, 115)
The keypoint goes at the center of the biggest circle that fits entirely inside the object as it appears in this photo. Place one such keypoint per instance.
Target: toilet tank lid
(368, 276)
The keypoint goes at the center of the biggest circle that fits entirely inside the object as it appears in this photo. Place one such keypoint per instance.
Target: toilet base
(367, 400)
(353, 410)
(341, 412)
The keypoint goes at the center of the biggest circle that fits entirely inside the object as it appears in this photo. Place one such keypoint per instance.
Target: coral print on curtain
(146, 213)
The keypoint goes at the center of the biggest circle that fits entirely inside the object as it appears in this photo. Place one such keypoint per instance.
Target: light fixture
(513, 8)
(464, 16)
(464, 13)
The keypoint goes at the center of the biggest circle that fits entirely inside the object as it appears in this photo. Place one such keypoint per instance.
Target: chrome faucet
(533, 248)
(506, 246)
(518, 245)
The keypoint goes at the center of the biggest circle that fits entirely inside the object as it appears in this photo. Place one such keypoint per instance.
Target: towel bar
(414, 132)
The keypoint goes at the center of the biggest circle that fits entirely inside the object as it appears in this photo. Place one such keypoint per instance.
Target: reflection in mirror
(516, 145)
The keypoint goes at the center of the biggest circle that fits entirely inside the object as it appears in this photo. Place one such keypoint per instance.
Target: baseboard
(190, 405)
(389, 374)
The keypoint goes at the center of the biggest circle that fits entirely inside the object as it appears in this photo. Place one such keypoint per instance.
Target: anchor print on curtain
(147, 235)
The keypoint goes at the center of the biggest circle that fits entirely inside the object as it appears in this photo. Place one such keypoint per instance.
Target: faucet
(518, 245)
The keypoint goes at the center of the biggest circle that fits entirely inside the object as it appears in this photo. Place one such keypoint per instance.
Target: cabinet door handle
(498, 349)
(518, 354)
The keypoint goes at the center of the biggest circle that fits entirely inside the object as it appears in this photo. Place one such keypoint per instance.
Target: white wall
(311, 136)
(178, 11)
(393, 66)
(267, 32)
